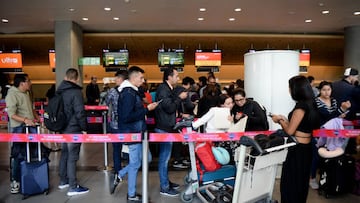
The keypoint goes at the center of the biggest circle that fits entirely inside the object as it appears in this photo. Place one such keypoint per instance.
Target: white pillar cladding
(266, 78)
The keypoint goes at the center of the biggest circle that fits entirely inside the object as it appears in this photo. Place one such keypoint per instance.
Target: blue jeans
(135, 159)
(164, 157)
(18, 152)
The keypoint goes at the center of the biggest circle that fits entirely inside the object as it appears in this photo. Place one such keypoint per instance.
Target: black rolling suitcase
(34, 173)
(336, 175)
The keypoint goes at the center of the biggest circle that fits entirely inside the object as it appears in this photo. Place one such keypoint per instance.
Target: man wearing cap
(342, 89)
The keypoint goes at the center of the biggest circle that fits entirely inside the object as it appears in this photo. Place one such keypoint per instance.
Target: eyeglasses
(27, 81)
(239, 100)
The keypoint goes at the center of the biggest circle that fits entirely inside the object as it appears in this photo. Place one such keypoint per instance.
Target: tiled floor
(92, 158)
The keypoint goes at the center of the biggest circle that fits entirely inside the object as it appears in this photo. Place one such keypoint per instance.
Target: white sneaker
(314, 184)
(15, 187)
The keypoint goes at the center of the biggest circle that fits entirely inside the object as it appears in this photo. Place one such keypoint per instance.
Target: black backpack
(54, 115)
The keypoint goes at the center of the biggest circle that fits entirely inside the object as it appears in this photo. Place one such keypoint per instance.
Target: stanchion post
(145, 167)
(104, 113)
(239, 172)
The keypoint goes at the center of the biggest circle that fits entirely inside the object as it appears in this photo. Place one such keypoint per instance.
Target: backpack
(54, 115)
(206, 157)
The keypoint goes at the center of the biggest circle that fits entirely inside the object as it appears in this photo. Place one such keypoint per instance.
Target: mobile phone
(158, 102)
(270, 114)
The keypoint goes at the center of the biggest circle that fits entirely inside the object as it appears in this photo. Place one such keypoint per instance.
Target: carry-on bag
(336, 175)
(34, 174)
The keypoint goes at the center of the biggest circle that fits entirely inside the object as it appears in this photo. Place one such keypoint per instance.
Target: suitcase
(336, 175)
(34, 174)
(225, 174)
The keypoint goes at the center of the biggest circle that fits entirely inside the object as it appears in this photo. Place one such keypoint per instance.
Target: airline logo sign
(10, 60)
(207, 59)
(52, 59)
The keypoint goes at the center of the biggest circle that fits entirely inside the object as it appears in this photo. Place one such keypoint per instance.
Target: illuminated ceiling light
(107, 9)
(85, 19)
(133, 11)
(71, 9)
(231, 19)
(325, 12)
(200, 19)
(321, 4)
(116, 18)
(4, 20)
(308, 21)
(357, 13)
(237, 9)
(127, 1)
(202, 9)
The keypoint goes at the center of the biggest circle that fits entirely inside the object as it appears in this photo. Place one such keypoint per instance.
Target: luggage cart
(210, 189)
(255, 176)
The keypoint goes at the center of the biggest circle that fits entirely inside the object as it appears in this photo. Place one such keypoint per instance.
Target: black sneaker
(135, 198)
(179, 165)
(186, 162)
(169, 192)
(174, 185)
(114, 181)
(78, 190)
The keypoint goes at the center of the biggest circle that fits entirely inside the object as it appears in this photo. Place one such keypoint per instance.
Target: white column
(266, 79)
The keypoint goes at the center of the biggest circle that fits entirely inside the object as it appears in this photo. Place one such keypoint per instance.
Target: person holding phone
(328, 109)
(165, 119)
(131, 119)
(301, 121)
(257, 119)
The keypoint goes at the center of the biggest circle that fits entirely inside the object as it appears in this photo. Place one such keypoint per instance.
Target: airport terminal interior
(47, 37)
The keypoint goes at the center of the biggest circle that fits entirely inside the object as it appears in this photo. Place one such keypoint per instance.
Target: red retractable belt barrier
(157, 137)
(354, 123)
(75, 138)
(336, 133)
(198, 137)
(96, 108)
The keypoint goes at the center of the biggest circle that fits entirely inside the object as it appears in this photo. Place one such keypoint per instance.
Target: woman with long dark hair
(301, 121)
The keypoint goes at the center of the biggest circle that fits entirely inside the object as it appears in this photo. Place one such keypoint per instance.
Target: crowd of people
(130, 102)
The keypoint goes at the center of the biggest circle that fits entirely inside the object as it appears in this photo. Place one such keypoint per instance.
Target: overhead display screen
(115, 58)
(208, 58)
(304, 57)
(173, 58)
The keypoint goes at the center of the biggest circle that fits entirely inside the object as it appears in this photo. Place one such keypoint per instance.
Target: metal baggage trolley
(255, 176)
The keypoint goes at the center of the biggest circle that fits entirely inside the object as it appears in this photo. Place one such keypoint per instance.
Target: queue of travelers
(314, 107)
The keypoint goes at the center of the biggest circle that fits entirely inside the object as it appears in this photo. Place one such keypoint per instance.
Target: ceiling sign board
(89, 61)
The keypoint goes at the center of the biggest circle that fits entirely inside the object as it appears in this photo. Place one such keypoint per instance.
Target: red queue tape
(336, 133)
(96, 107)
(156, 137)
(70, 138)
(199, 137)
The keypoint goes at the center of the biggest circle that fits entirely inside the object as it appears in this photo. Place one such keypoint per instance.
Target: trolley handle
(290, 138)
(247, 141)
